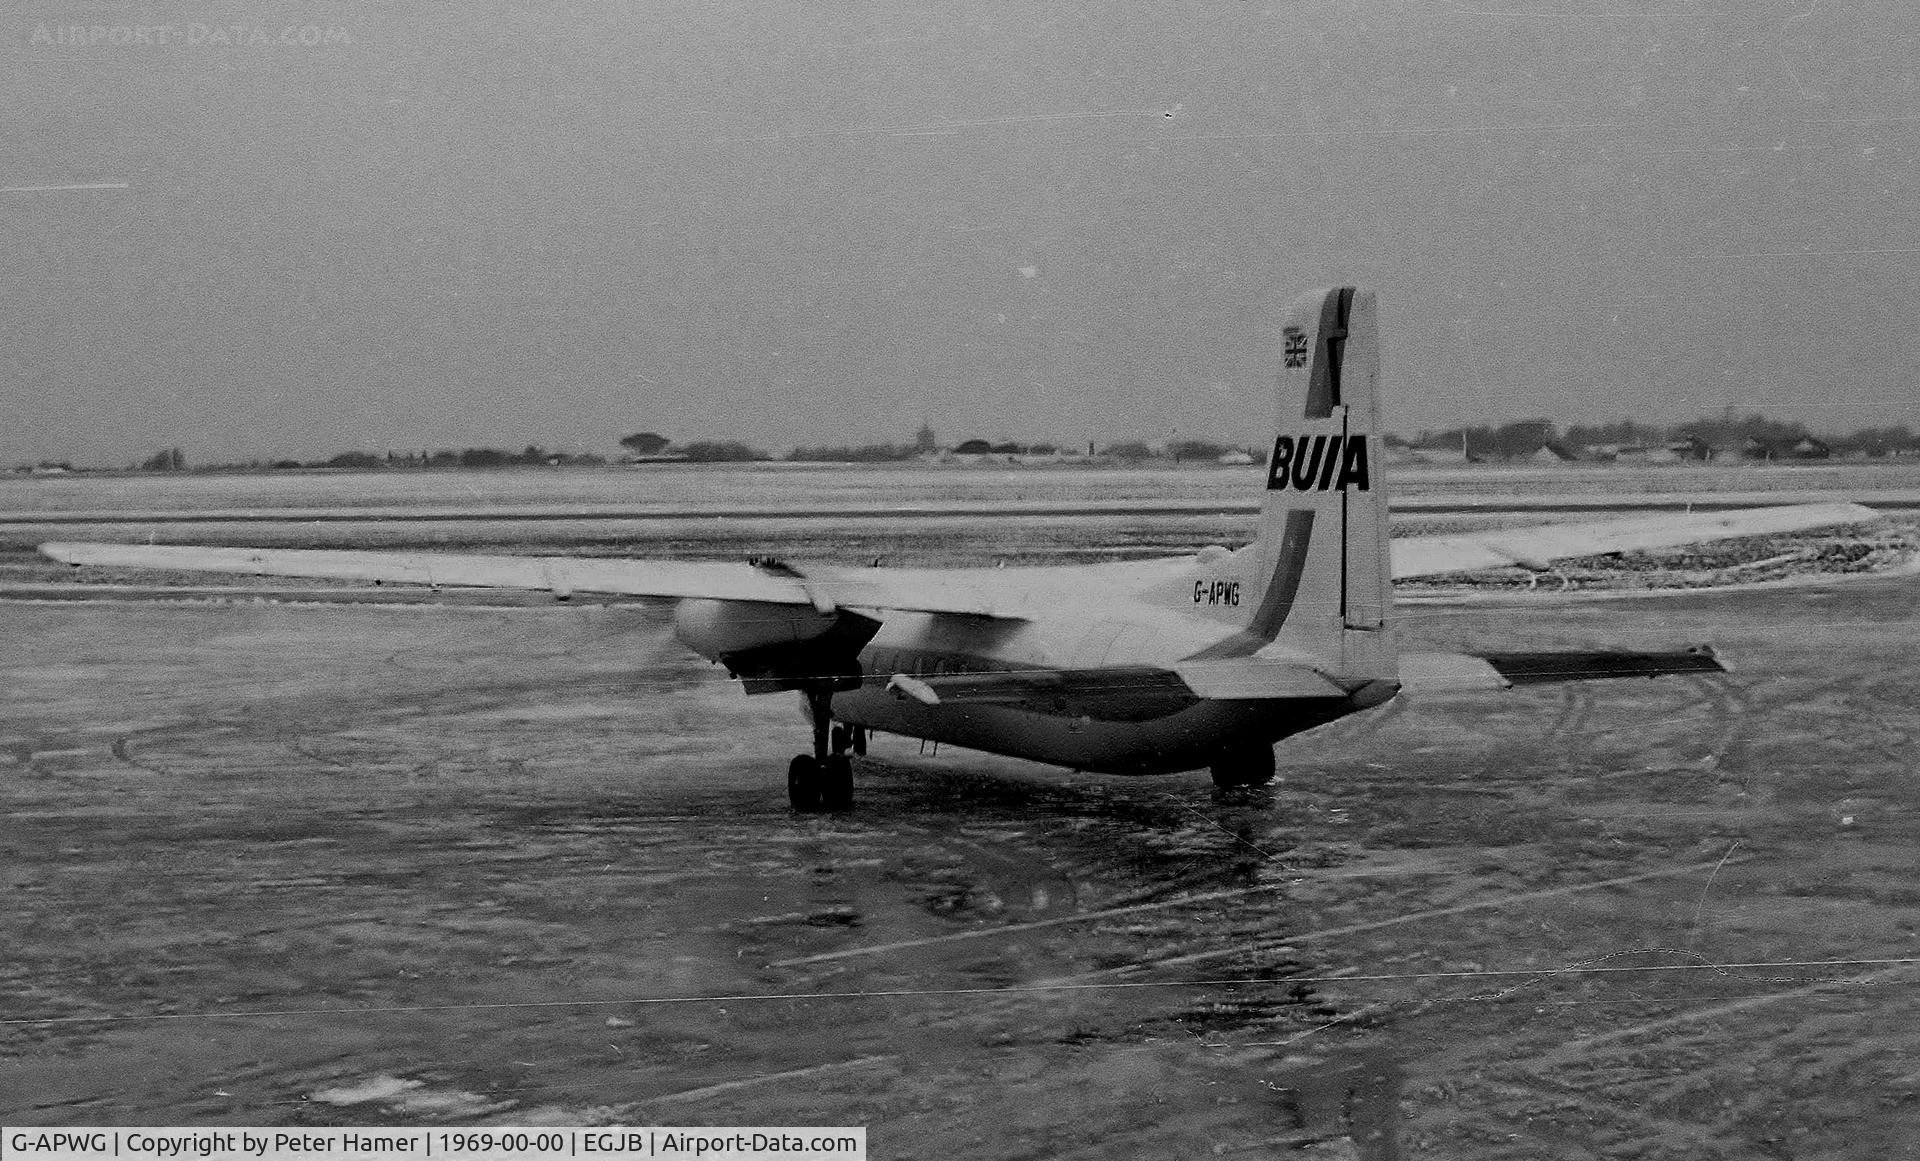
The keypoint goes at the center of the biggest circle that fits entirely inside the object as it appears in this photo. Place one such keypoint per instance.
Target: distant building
(1809, 448)
(1641, 454)
(1691, 449)
(981, 451)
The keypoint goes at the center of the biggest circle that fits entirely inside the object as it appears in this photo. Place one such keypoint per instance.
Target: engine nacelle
(718, 630)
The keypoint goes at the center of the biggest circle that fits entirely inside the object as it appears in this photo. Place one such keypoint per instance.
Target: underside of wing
(1535, 548)
(765, 581)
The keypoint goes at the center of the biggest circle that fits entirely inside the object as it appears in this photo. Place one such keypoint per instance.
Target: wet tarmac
(468, 859)
(330, 864)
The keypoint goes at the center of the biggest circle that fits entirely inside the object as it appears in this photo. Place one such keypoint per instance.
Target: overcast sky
(450, 225)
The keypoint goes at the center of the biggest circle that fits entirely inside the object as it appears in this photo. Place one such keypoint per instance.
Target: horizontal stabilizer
(1254, 679)
(1455, 672)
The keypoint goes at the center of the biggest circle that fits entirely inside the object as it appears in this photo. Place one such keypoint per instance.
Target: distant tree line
(473, 457)
(172, 460)
(1005, 447)
(1506, 441)
(1751, 436)
(1727, 435)
(651, 445)
(871, 453)
(1757, 432)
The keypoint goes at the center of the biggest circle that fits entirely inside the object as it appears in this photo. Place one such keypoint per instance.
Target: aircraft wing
(767, 581)
(1535, 547)
(909, 590)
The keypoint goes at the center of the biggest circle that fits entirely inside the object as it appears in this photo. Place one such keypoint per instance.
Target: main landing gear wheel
(836, 783)
(1247, 766)
(816, 784)
(803, 783)
(823, 780)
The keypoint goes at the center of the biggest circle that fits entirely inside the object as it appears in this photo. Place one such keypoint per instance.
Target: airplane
(1132, 667)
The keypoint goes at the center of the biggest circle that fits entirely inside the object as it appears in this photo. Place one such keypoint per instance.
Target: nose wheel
(823, 780)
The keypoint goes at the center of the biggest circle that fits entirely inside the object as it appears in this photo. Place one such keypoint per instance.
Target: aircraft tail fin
(1318, 582)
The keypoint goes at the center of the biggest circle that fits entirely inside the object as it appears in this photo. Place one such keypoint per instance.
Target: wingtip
(1712, 654)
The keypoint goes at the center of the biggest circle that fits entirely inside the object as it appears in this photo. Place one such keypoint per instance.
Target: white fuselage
(1085, 679)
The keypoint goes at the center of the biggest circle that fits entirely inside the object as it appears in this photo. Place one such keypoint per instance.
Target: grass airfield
(314, 863)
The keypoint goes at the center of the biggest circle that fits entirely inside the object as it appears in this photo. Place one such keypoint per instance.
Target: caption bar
(340, 1143)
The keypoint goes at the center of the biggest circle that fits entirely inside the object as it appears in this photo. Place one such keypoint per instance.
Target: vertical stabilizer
(1319, 577)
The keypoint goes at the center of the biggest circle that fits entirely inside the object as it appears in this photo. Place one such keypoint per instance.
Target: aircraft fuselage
(1089, 693)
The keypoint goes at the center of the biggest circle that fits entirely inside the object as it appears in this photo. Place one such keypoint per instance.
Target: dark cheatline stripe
(1277, 602)
(1323, 389)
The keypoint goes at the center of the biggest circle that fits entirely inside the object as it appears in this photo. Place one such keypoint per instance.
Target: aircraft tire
(1251, 766)
(803, 784)
(836, 783)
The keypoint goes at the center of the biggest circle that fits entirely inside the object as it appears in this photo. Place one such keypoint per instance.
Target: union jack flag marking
(1294, 354)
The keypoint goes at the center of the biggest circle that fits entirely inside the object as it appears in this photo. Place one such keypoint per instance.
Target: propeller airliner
(1136, 667)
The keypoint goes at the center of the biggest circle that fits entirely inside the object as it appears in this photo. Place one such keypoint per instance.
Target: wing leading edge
(768, 582)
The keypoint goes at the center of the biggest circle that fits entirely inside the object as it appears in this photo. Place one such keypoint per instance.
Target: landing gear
(823, 780)
(817, 784)
(803, 783)
(836, 783)
(1243, 766)
(850, 738)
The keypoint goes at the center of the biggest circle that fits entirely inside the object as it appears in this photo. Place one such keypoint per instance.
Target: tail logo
(1294, 352)
(1318, 463)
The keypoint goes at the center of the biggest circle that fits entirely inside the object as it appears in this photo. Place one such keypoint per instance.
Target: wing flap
(1535, 547)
